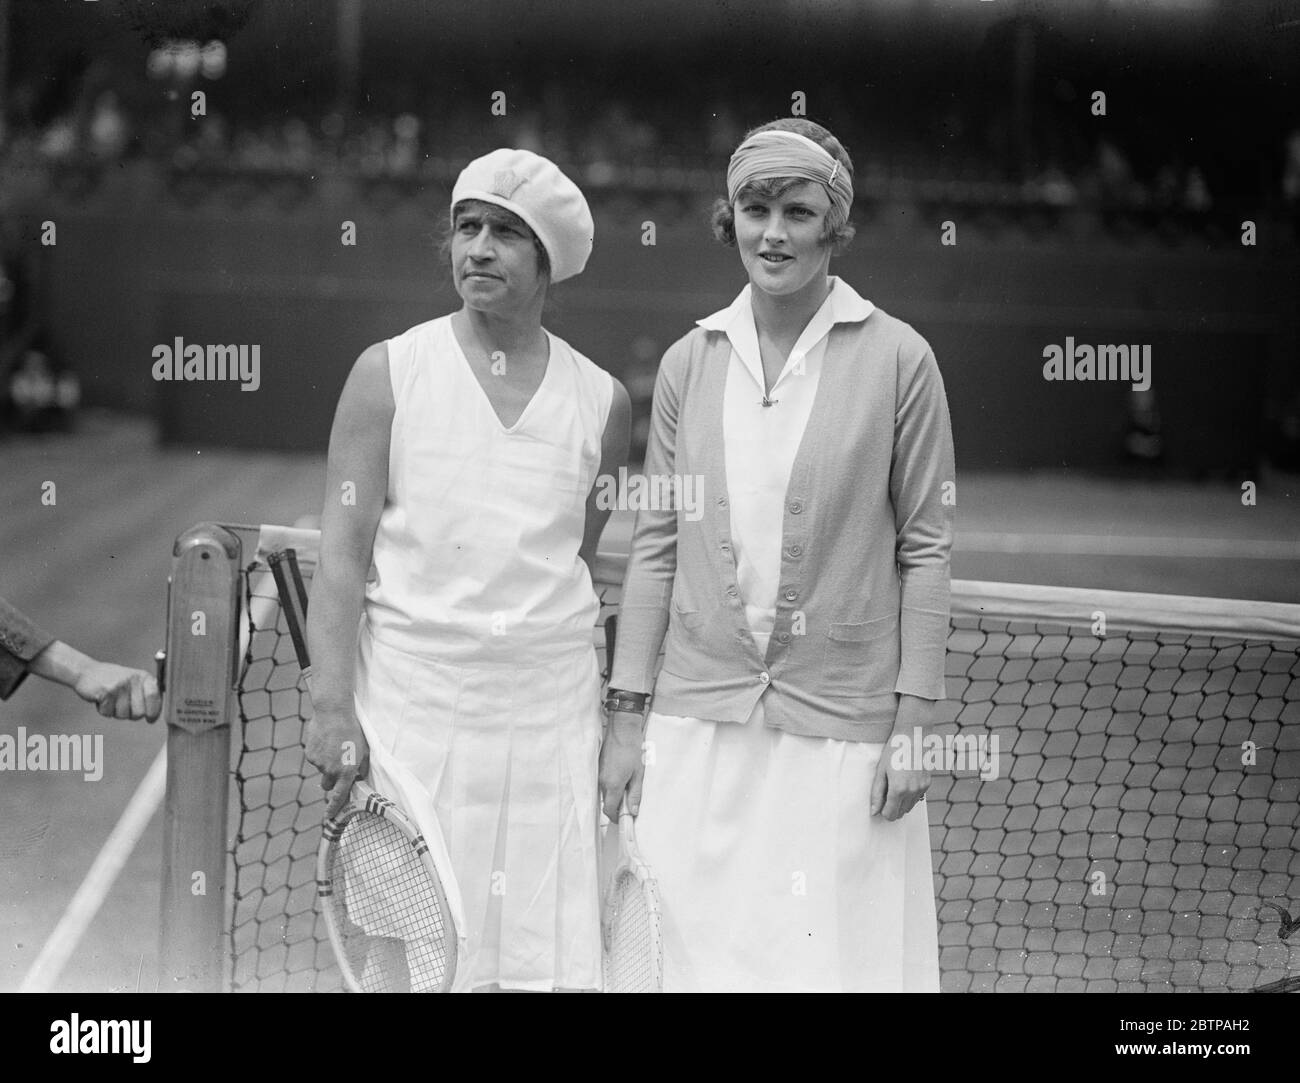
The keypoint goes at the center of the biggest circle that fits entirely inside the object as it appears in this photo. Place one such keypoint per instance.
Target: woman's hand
(337, 748)
(896, 791)
(621, 765)
(900, 784)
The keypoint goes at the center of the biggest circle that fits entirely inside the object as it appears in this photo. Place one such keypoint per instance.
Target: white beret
(534, 188)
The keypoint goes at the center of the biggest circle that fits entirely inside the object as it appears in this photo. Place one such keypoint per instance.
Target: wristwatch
(633, 702)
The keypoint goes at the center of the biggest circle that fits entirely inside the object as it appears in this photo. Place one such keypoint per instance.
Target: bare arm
(356, 485)
(117, 691)
(613, 454)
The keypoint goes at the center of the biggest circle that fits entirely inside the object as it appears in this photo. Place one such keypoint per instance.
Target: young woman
(458, 526)
(803, 618)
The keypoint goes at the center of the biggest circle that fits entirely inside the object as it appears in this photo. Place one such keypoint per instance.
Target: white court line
(94, 888)
(119, 846)
(1123, 545)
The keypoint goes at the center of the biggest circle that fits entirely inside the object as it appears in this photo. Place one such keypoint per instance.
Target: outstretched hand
(118, 691)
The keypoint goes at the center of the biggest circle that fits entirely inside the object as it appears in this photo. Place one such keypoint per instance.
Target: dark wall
(1221, 322)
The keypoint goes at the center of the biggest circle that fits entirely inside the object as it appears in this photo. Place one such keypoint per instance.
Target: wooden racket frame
(633, 865)
(364, 801)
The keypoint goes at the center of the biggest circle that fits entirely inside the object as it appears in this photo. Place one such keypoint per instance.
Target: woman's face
(782, 238)
(494, 259)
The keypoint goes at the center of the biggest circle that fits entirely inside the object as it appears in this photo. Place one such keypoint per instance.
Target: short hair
(495, 216)
(838, 233)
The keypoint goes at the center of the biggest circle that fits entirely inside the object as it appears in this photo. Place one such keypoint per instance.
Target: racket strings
(382, 895)
(630, 961)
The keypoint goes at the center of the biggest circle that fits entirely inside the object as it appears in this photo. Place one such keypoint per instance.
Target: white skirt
(773, 874)
(508, 754)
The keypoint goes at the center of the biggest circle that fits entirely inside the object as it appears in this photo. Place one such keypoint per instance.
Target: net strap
(1123, 610)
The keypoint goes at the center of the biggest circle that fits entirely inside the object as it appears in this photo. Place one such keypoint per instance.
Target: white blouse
(761, 441)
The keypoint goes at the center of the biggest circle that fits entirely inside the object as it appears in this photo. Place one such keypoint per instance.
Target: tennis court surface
(1120, 754)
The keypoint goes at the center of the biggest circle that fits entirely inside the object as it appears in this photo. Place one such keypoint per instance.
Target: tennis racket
(383, 901)
(379, 890)
(630, 925)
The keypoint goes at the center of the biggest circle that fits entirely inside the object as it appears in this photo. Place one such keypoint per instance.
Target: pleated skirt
(508, 756)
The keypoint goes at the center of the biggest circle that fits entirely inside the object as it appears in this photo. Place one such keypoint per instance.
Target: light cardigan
(862, 609)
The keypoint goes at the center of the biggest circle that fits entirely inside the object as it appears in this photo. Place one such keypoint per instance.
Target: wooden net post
(202, 656)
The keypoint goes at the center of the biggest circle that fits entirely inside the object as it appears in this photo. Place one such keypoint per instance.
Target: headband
(777, 153)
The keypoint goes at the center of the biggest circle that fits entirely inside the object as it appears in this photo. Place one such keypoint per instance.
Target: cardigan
(863, 605)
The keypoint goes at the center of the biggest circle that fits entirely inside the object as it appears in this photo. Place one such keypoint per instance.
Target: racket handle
(611, 637)
(289, 605)
(291, 555)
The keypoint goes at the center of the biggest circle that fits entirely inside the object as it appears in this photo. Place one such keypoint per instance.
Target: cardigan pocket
(691, 619)
(861, 659)
(685, 647)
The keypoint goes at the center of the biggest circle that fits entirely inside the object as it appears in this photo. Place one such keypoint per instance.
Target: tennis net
(1140, 834)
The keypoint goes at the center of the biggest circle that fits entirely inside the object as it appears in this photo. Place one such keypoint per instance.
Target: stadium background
(226, 229)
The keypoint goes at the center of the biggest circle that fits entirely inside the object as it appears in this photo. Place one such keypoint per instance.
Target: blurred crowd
(966, 140)
(39, 392)
(617, 144)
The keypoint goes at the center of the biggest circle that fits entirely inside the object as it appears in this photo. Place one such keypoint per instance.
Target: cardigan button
(795, 507)
(732, 592)
(763, 678)
(783, 637)
(791, 594)
(795, 550)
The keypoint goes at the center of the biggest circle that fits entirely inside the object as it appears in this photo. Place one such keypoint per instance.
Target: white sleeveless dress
(475, 666)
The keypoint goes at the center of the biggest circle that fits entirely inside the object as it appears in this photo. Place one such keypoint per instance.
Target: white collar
(842, 305)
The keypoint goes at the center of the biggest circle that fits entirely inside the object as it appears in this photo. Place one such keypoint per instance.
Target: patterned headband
(788, 154)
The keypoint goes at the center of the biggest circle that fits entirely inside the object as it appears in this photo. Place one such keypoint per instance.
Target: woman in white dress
(802, 617)
(452, 608)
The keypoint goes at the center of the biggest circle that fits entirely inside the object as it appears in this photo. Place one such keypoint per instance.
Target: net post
(202, 638)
